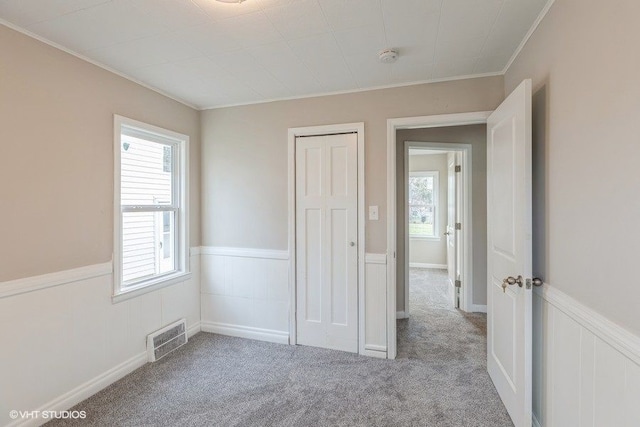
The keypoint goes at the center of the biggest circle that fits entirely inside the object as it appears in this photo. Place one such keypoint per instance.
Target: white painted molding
(193, 329)
(375, 258)
(426, 265)
(195, 250)
(49, 280)
(378, 354)
(401, 315)
(244, 252)
(535, 421)
(616, 336)
(86, 390)
(477, 308)
(526, 38)
(280, 337)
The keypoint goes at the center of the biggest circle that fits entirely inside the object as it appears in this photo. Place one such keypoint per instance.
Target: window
(423, 204)
(151, 208)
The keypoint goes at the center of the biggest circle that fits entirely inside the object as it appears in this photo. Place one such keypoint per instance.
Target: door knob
(511, 281)
(535, 282)
(448, 233)
(352, 243)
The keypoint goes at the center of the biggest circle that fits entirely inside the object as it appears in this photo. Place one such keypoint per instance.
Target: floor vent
(167, 339)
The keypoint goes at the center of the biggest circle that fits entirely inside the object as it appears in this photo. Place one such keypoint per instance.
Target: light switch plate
(373, 213)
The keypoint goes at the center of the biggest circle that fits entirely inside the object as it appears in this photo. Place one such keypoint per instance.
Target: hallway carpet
(438, 379)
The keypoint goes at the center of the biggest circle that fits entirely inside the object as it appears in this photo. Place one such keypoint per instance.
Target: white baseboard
(401, 315)
(193, 329)
(426, 265)
(269, 335)
(478, 308)
(374, 353)
(86, 390)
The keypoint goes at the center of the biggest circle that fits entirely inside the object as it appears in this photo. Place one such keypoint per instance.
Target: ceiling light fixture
(388, 56)
(230, 1)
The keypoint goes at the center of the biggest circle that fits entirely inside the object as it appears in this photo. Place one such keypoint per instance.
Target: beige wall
(584, 65)
(56, 162)
(476, 135)
(244, 154)
(428, 251)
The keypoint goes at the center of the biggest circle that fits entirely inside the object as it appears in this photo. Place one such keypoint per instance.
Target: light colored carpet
(438, 379)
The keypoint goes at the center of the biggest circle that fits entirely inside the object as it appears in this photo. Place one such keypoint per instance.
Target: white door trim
(392, 126)
(466, 277)
(326, 130)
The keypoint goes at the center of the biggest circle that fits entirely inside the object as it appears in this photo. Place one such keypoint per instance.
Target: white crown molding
(244, 252)
(375, 258)
(526, 38)
(94, 62)
(616, 336)
(49, 280)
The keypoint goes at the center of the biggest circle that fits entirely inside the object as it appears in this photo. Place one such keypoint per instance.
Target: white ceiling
(208, 54)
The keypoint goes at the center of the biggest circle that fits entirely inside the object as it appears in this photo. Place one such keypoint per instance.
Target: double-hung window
(422, 204)
(150, 207)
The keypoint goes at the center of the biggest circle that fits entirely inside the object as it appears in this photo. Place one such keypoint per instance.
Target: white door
(326, 241)
(509, 252)
(451, 227)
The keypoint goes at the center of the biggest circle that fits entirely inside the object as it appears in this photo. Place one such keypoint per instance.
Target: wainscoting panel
(64, 339)
(245, 293)
(375, 305)
(586, 370)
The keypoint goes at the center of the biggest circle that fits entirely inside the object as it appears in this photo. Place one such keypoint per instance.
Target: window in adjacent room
(422, 204)
(151, 209)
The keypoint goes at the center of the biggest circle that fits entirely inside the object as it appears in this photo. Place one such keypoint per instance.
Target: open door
(509, 253)
(452, 210)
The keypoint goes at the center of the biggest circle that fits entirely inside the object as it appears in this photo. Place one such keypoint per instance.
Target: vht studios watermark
(48, 415)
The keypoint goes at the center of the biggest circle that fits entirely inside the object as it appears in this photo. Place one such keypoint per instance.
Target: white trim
(365, 89)
(244, 252)
(180, 199)
(195, 250)
(534, 421)
(86, 390)
(291, 186)
(393, 125)
(477, 308)
(616, 336)
(194, 329)
(50, 280)
(280, 337)
(426, 265)
(401, 315)
(375, 259)
(94, 62)
(378, 354)
(373, 347)
(526, 38)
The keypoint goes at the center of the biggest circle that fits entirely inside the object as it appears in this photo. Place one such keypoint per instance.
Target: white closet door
(326, 241)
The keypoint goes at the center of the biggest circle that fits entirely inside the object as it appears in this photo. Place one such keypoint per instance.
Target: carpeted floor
(438, 379)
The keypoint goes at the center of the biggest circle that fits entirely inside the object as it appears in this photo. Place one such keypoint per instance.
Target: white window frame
(179, 204)
(436, 204)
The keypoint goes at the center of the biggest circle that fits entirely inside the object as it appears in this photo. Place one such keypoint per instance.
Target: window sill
(150, 286)
(427, 238)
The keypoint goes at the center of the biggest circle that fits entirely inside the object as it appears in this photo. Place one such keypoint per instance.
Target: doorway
(445, 129)
(326, 236)
(431, 206)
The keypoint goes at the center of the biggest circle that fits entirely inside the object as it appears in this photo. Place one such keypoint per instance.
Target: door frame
(358, 128)
(442, 120)
(466, 264)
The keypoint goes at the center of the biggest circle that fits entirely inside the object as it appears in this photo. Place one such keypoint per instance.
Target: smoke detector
(388, 56)
(230, 1)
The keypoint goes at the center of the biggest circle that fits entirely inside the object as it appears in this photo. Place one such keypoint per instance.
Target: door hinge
(458, 168)
(458, 283)
(458, 226)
